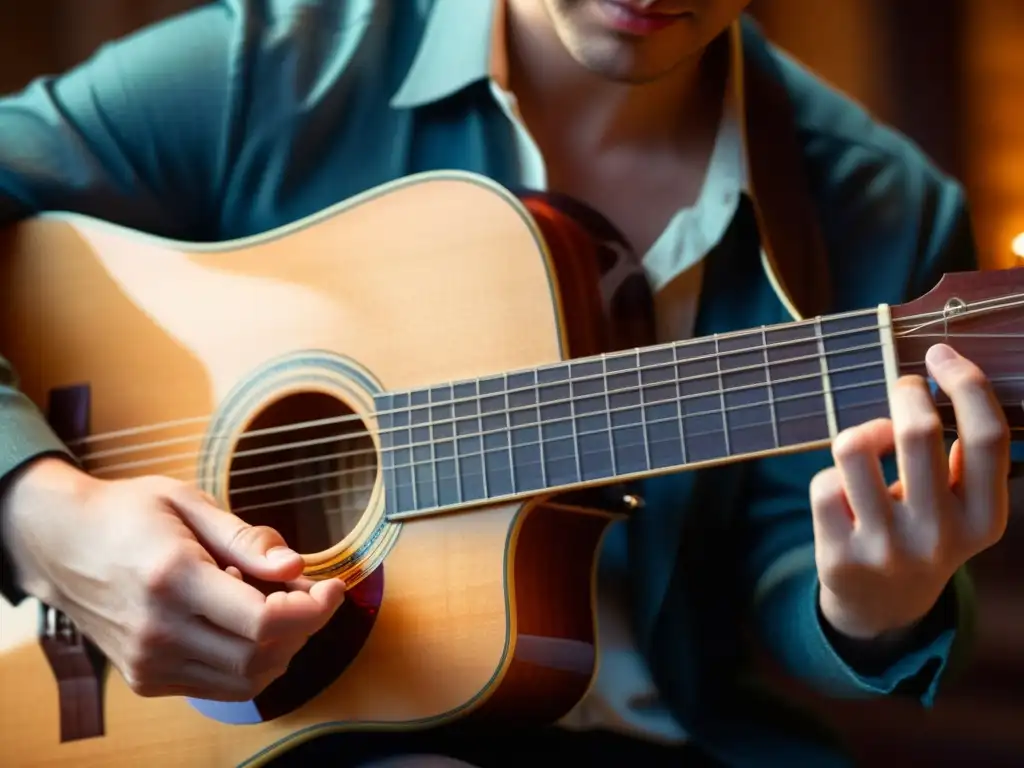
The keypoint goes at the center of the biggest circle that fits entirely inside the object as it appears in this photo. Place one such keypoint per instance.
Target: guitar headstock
(980, 315)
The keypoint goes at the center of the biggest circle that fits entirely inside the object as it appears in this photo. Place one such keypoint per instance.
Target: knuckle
(245, 660)
(992, 435)
(878, 552)
(969, 377)
(911, 383)
(930, 547)
(247, 537)
(921, 430)
(164, 573)
(137, 666)
(162, 487)
(151, 636)
(847, 445)
(826, 485)
(262, 628)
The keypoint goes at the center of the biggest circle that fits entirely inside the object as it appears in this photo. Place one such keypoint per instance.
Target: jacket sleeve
(136, 135)
(782, 576)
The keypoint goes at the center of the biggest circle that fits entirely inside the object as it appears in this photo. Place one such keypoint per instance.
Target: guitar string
(938, 316)
(671, 346)
(622, 354)
(320, 459)
(476, 398)
(507, 412)
(758, 367)
(435, 483)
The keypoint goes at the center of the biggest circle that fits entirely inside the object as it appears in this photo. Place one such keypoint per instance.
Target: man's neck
(562, 101)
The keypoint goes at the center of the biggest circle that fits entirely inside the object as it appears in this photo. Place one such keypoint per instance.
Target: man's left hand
(886, 553)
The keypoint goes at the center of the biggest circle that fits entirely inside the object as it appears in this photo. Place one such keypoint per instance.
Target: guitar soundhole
(305, 466)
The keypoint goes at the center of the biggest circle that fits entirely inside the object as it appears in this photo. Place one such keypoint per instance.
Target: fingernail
(940, 354)
(281, 554)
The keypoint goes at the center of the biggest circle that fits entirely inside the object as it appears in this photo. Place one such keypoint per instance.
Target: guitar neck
(633, 414)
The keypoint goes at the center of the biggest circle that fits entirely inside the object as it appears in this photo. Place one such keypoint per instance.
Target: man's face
(638, 41)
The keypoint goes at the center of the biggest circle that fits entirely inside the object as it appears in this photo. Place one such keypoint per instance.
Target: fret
(442, 433)
(469, 453)
(524, 427)
(855, 360)
(591, 419)
(396, 454)
(625, 399)
(746, 394)
(497, 465)
(794, 370)
(663, 426)
(826, 382)
(508, 422)
(700, 401)
(721, 396)
(631, 412)
(643, 413)
(557, 426)
(608, 410)
(424, 486)
(768, 379)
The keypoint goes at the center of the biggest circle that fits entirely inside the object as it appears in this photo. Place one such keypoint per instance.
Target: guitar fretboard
(631, 414)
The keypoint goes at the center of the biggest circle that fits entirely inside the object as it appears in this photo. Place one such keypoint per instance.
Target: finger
(304, 584)
(920, 453)
(985, 441)
(207, 644)
(303, 613)
(191, 678)
(227, 602)
(256, 550)
(232, 571)
(857, 453)
(830, 509)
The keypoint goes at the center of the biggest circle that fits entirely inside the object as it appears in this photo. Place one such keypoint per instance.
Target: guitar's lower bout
(554, 648)
(550, 635)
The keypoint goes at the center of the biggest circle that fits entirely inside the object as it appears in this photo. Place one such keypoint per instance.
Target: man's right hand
(151, 570)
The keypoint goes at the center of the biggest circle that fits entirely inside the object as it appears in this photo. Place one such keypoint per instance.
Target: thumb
(256, 550)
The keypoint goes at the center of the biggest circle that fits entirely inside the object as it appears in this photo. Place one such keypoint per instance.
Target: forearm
(790, 624)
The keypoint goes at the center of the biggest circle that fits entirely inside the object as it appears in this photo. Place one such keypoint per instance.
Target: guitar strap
(791, 238)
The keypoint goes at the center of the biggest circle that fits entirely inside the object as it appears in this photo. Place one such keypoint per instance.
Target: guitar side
(485, 613)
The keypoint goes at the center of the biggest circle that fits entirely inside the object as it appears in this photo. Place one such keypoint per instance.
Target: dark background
(950, 73)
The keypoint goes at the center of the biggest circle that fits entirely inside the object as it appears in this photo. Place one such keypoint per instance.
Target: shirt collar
(454, 52)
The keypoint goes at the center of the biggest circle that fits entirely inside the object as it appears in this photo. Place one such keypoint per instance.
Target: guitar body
(158, 357)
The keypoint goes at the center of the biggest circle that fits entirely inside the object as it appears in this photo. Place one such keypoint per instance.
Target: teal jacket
(244, 115)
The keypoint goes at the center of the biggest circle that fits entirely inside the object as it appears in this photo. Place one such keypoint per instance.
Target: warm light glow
(1017, 246)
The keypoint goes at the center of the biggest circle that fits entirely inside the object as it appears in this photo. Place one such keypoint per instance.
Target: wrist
(887, 630)
(37, 502)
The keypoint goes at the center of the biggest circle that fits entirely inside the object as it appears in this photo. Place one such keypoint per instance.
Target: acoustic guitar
(440, 392)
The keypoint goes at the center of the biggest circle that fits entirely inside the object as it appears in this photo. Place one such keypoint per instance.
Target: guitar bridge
(79, 667)
(77, 663)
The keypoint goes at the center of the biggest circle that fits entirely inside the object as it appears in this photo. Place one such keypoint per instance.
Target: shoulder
(885, 208)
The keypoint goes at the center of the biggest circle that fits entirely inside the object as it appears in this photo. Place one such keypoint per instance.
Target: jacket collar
(457, 50)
